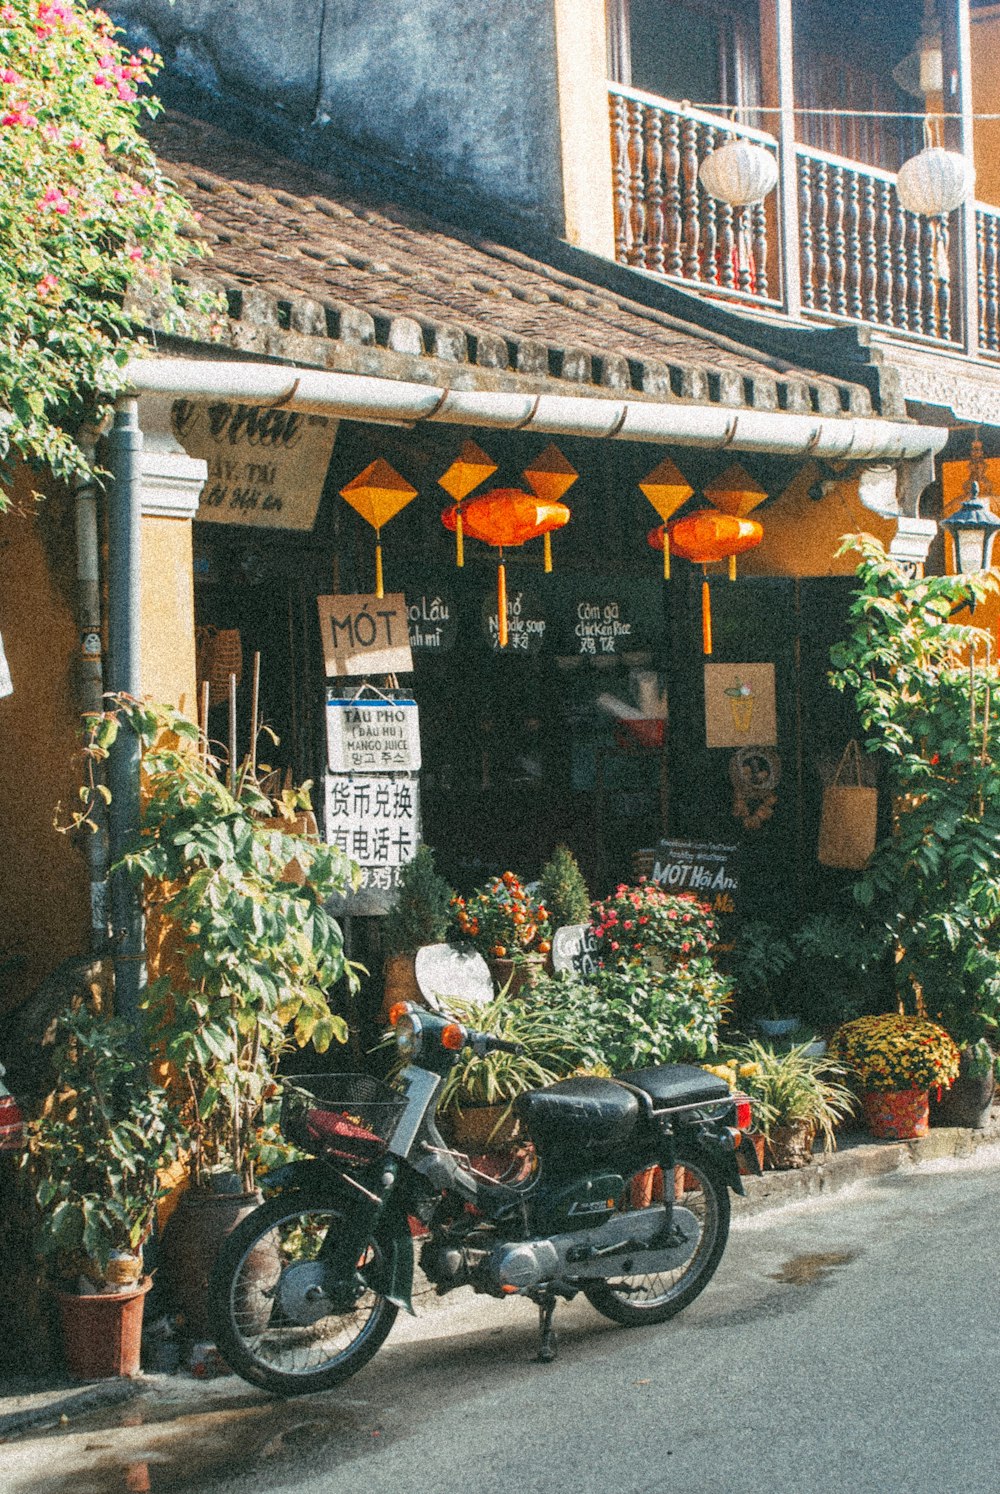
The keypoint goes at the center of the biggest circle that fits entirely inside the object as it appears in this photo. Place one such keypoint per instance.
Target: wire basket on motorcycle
(347, 1118)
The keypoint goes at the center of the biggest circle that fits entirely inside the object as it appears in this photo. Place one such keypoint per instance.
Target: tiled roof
(317, 274)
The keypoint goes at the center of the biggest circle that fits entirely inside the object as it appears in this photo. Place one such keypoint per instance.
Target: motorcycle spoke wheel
(637, 1299)
(273, 1321)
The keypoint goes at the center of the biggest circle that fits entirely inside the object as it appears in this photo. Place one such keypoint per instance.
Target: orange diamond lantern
(548, 477)
(377, 494)
(737, 494)
(471, 467)
(667, 490)
(704, 538)
(507, 518)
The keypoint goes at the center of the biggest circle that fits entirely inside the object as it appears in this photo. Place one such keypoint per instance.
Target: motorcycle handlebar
(484, 1042)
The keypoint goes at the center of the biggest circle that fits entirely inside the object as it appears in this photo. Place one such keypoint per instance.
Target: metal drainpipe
(90, 678)
(124, 461)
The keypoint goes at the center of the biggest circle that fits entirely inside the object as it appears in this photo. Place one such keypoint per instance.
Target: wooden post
(956, 44)
(778, 87)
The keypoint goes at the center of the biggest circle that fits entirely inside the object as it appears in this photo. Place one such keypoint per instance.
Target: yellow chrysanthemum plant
(894, 1052)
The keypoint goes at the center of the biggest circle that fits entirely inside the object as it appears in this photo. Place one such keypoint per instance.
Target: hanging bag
(848, 822)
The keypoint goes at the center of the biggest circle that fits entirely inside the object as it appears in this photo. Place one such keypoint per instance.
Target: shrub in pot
(508, 925)
(254, 954)
(797, 1096)
(895, 1060)
(95, 1158)
(562, 889)
(421, 914)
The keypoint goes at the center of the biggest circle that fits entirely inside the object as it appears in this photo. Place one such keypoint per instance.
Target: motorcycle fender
(396, 1244)
(720, 1153)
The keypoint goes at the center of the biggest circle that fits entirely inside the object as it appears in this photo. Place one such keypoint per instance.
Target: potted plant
(761, 958)
(478, 1093)
(926, 691)
(508, 925)
(645, 925)
(421, 914)
(837, 967)
(245, 953)
(895, 1060)
(562, 889)
(96, 1156)
(798, 1098)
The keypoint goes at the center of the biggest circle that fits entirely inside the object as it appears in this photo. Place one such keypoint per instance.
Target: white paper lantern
(934, 182)
(739, 173)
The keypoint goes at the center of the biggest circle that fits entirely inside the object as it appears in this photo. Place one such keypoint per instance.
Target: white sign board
(365, 635)
(574, 950)
(444, 970)
(376, 822)
(266, 467)
(372, 736)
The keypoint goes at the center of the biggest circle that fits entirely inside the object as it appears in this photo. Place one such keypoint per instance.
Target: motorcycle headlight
(409, 1036)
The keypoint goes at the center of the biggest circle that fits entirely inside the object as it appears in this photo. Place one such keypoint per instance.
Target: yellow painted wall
(168, 661)
(986, 100)
(44, 909)
(801, 535)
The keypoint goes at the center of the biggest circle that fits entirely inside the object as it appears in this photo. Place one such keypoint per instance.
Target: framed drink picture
(739, 705)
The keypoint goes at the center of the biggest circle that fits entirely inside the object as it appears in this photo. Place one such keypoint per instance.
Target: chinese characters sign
(375, 821)
(372, 735)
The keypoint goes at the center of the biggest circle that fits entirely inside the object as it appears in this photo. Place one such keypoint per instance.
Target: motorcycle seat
(582, 1112)
(677, 1084)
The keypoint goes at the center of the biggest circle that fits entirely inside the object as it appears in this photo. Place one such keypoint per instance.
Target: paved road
(850, 1345)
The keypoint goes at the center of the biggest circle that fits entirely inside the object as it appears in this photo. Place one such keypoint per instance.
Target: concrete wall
(167, 620)
(482, 92)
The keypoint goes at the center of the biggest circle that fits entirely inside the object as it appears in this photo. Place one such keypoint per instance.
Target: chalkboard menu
(706, 869)
(595, 619)
(527, 622)
(433, 620)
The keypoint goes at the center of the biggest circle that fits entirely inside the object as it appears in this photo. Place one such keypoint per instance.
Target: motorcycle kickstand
(548, 1344)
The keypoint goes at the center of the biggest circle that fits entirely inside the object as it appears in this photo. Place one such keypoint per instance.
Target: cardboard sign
(365, 635)
(266, 467)
(376, 822)
(574, 950)
(374, 736)
(706, 869)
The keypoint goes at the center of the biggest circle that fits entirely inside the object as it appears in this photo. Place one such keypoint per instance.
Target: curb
(68, 1407)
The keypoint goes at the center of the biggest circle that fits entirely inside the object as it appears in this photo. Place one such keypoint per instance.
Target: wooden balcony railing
(860, 256)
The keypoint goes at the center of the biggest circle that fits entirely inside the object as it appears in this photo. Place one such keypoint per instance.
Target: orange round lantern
(704, 538)
(507, 518)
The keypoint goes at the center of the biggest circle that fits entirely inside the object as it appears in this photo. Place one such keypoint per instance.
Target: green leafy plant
(896, 1052)
(793, 1088)
(761, 959)
(98, 1148)
(562, 889)
(550, 1052)
(422, 912)
(502, 919)
(242, 903)
(87, 220)
(641, 923)
(836, 967)
(926, 691)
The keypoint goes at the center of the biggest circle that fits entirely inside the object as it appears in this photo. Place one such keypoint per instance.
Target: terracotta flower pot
(102, 1332)
(756, 1138)
(790, 1146)
(400, 984)
(897, 1114)
(482, 1129)
(191, 1240)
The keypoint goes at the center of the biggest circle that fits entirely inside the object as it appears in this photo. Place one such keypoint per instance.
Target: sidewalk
(34, 1406)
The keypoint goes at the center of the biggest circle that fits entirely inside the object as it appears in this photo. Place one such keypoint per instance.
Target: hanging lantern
(740, 173)
(706, 537)
(935, 182)
(507, 518)
(471, 467)
(377, 494)
(735, 493)
(548, 477)
(973, 528)
(667, 490)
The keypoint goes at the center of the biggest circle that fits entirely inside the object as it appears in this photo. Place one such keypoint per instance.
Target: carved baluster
(620, 175)
(727, 244)
(822, 239)
(672, 194)
(926, 241)
(981, 277)
(853, 228)
(993, 332)
(891, 234)
(655, 228)
(943, 280)
(901, 298)
(806, 231)
(637, 187)
(710, 224)
(759, 219)
(869, 278)
(838, 256)
(689, 167)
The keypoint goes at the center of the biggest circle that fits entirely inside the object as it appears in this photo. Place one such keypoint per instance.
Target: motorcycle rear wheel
(633, 1300)
(267, 1299)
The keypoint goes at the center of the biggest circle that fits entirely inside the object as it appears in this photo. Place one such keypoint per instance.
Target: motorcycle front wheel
(277, 1316)
(633, 1300)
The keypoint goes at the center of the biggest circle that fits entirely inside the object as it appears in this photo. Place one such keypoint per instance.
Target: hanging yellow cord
(502, 604)
(459, 538)
(378, 567)
(706, 618)
(547, 551)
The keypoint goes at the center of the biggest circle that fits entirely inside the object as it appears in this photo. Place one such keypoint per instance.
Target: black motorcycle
(626, 1202)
